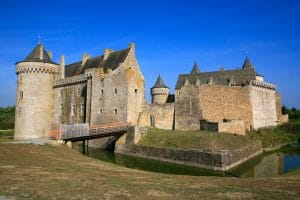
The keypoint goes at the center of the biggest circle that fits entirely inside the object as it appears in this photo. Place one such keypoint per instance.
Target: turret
(195, 69)
(160, 92)
(34, 99)
(247, 64)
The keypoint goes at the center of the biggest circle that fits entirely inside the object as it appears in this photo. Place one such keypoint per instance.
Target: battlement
(31, 67)
(263, 84)
(70, 80)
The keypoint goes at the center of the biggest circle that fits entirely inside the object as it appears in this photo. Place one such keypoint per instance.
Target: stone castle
(110, 88)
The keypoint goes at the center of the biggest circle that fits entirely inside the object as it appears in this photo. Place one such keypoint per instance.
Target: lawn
(6, 135)
(48, 172)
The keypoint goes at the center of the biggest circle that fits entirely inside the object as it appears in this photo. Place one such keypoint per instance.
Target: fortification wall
(212, 103)
(188, 110)
(263, 106)
(34, 100)
(69, 101)
(108, 96)
(158, 116)
(223, 102)
(216, 160)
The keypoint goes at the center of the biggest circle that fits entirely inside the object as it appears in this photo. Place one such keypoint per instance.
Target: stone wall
(188, 110)
(34, 100)
(216, 160)
(158, 116)
(232, 126)
(117, 96)
(263, 107)
(212, 103)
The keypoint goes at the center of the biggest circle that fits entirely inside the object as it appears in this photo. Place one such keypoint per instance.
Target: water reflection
(262, 166)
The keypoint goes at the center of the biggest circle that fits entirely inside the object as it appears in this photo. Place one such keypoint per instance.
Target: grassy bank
(6, 135)
(46, 172)
(273, 137)
(270, 137)
(193, 139)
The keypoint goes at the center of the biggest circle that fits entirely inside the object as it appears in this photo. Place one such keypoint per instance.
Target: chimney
(41, 51)
(106, 53)
(62, 66)
(84, 58)
(50, 54)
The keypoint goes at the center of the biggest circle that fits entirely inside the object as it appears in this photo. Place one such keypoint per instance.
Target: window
(116, 111)
(73, 110)
(60, 109)
(101, 111)
(78, 92)
(19, 111)
(116, 91)
(82, 109)
(135, 91)
(102, 92)
(21, 94)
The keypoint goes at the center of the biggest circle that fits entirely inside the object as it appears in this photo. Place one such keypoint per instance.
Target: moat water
(269, 164)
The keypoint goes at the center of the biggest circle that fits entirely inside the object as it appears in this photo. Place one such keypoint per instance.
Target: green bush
(7, 117)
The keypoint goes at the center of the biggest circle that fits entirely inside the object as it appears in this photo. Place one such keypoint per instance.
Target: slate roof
(240, 77)
(195, 69)
(34, 56)
(113, 60)
(247, 64)
(159, 83)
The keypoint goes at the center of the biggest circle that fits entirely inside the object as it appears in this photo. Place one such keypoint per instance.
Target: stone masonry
(110, 88)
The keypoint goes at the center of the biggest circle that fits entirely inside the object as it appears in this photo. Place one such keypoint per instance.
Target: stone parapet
(70, 80)
(263, 84)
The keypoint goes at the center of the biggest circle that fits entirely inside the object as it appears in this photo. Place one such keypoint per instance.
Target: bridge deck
(77, 132)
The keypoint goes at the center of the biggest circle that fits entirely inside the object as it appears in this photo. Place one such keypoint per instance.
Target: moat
(269, 164)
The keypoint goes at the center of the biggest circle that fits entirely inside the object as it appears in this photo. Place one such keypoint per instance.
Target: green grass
(47, 172)
(193, 139)
(6, 135)
(277, 136)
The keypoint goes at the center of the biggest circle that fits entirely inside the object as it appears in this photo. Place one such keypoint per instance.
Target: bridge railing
(83, 130)
(74, 130)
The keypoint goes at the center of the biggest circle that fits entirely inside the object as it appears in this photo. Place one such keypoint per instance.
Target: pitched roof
(160, 83)
(247, 63)
(195, 69)
(34, 55)
(113, 60)
(240, 77)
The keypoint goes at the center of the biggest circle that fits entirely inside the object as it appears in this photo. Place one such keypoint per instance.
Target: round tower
(160, 92)
(34, 100)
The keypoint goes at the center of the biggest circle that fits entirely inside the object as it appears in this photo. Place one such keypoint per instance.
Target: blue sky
(169, 37)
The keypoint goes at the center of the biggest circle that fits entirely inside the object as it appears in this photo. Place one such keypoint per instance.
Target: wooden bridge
(81, 132)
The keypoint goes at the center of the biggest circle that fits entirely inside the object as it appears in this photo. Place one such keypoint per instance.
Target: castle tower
(34, 100)
(160, 92)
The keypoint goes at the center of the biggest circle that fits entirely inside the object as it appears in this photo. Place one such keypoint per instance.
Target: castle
(110, 88)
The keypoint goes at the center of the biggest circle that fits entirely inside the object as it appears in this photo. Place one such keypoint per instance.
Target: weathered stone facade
(110, 89)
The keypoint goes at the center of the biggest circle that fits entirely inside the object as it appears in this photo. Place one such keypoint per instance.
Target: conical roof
(160, 83)
(247, 64)
(195, 69)
(34, 55)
